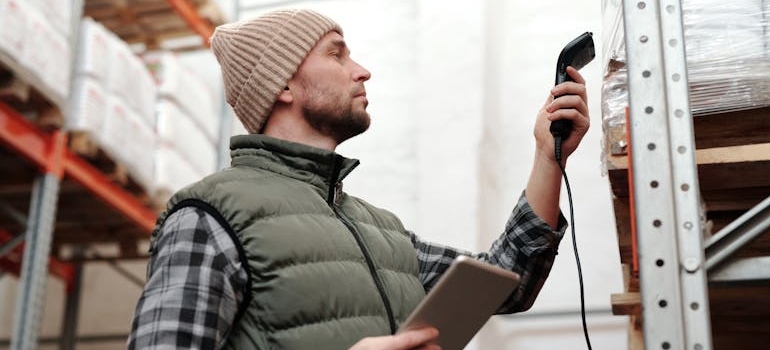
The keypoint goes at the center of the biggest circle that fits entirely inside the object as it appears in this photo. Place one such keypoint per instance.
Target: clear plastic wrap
(727, 46)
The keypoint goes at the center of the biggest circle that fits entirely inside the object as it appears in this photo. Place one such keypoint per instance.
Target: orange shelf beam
(190, 15)
(24, 138)
(94, 180)
(43, 149)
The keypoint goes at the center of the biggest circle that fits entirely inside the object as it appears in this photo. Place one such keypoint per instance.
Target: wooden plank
(736, 300)
(744, 127)
(24, 91)
(740, 316)
(630, 279)
(635, 334)
(621, 207)
(731, 167)
(629, 303)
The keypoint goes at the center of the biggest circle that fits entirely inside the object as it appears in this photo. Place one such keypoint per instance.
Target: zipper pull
(331, 196)
(337, 193)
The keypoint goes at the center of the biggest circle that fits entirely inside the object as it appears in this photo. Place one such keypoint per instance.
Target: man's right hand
(417, 339)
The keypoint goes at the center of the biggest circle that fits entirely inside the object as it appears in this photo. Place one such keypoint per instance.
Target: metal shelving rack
(671, 273)
(679, 267)
(67, 182)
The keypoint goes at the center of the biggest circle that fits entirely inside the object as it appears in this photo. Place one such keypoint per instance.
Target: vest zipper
(331, 200)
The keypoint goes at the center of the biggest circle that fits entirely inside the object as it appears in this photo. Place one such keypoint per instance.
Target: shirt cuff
(531, 233)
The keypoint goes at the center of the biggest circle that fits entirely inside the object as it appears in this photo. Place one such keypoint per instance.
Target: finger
(548, 100)
(568, 114)
(569, 88)
(575, 75)
(567, 102)
(411, 339)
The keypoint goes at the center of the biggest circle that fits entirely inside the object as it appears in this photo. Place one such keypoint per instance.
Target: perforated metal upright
(672, 275)
(34, 265)
(39, 230)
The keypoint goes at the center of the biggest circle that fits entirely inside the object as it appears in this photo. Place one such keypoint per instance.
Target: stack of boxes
(113, 101)
(149, 114)
(37, 34)
(187, 126)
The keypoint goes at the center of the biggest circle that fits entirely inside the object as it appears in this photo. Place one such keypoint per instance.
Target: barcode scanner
(577, 54)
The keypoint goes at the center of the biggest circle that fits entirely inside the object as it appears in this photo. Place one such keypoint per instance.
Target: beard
(335, 116)
(341, 124)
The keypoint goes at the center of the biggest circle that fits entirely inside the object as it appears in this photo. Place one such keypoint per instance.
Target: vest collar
(291, 159)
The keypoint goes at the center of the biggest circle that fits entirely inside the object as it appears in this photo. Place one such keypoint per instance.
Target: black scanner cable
(557, 153)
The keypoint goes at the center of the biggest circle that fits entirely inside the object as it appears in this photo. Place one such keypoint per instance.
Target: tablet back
(468, 293)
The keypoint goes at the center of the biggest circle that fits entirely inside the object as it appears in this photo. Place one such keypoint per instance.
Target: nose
(360, 73)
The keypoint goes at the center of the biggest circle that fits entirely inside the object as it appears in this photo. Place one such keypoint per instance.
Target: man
(273, 254)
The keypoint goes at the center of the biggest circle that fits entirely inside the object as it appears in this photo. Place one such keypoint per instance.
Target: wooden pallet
(149, 22)
(82, 144)
(733, 157)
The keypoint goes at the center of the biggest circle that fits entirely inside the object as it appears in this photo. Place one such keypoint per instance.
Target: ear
(286, 96)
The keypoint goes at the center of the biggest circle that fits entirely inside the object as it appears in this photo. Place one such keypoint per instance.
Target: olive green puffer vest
(325, 269)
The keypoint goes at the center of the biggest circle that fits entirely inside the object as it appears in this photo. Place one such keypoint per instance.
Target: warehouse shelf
(24, 85)
(154, 23)
(30, 150)
(58, 208)
(85, 189)
(11, 260)
(733, 157)
(732, 170)
(668, 266)
(92, 208)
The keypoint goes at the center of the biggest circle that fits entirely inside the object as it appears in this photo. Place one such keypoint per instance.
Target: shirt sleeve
(194, 286)
(527, 246)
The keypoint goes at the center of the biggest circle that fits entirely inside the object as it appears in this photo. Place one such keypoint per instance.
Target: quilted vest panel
(310, 262)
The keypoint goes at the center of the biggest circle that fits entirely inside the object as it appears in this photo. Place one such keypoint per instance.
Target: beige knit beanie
(258, 57)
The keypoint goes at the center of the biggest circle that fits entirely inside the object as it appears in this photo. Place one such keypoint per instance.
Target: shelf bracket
(737, 234)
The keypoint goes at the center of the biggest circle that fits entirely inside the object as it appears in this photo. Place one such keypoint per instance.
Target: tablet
(462, 301)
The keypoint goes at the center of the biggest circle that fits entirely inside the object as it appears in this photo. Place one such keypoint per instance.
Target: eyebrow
(339, 44)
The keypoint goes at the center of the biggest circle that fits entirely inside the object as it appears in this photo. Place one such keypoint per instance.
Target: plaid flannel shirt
(195, 279)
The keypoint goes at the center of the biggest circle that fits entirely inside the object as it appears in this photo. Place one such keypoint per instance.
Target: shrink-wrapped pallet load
(728, 61)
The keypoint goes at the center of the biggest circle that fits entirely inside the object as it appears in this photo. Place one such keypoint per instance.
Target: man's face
(331, 89)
